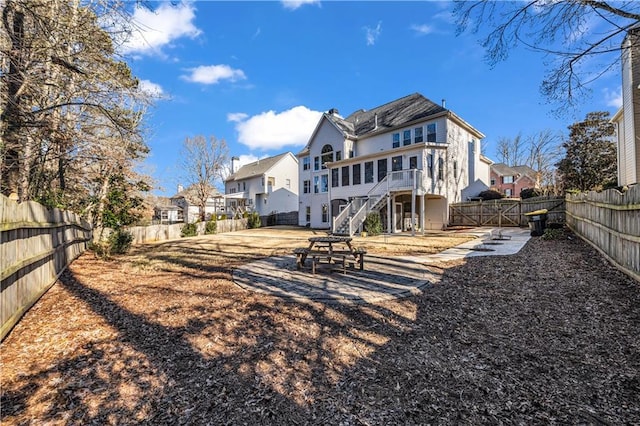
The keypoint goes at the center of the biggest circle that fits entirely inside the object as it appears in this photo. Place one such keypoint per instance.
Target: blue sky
(259, 74)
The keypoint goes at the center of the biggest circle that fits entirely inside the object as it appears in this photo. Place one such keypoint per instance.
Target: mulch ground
(548, 336)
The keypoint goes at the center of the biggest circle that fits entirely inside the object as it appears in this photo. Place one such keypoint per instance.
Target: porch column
(413, 212)
(389, 213)
(422, 212)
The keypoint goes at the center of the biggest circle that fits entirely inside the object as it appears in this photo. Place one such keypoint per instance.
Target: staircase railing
(356, 211)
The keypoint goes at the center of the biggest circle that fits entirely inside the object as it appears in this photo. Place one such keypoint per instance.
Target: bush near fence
(154, 233)
(505, 212)
(37, 244)
(610, 221)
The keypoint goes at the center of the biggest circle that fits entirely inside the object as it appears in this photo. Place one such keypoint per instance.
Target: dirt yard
(163, 336)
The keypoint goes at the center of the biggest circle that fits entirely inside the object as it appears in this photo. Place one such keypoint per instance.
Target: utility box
(537, 222)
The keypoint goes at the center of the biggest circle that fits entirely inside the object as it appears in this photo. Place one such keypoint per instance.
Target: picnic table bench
(323, 252)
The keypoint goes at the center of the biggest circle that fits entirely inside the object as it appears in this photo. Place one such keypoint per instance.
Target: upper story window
(396, 140)
(368, 172)
(406, 137)
(350, 154)
(345, 176)
(431, 132)
(413, 162)
(430, 165)
(320, 184)
(417, 135)
(307, 186)
(507, 179)
(338, 155)
(396, 163)
(316, 163)
(440, 168)
(327, 155)
(493, 181)
(335, 178)
(306, 163)
(382, 169)
(244, 186)
(455, 169)
(355, 171)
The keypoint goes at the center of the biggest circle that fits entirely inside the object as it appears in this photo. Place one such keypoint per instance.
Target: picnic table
(333, 250)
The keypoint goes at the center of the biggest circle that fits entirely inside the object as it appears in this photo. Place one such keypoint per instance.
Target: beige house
(407, 159)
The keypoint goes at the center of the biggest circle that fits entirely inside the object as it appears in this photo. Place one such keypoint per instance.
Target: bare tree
(544, 152)
(203, 161)
(581, 38)
(511, 152)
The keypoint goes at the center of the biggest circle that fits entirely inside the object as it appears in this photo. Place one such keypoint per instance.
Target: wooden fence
(36, 245)
(152, 233)
(505, 212)
(610, 221)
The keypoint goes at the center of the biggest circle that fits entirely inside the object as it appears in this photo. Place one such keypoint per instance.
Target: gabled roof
(257, 168)
(385, 117)
(525, 171)
(502, 169)
(189, 193)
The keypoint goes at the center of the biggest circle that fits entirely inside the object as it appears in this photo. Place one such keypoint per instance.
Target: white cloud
(236, 116)
(270, 130)
(422, 29)
(294, 4)
(373, 34)
(154, 29)
(213, 74)
(152, 89)
(613, 98)
(248, 159)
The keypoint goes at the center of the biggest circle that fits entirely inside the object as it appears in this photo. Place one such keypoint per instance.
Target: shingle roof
(256, 168)
(393, 114)
(525, 171)
(503, 170)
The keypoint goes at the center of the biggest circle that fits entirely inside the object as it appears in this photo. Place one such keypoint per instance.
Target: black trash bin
(537, 222)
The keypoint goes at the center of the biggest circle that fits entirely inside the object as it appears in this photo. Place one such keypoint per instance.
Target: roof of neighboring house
(189, 192)
(389, 116)
(525, 171)
(502, 169)
(257, 168)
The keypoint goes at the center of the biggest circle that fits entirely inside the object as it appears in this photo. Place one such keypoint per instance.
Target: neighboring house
(627, 119)
(183, 206)
(407, 160)
(269, 185)
(511, 180)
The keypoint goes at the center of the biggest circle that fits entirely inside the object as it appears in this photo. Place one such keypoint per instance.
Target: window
(316, 184)
(430, 165)
(287, 183)
(396, 140)
(357, 177)
(325, 213)
(368, 172)
(431, 132)
(244, 186)
(507, 192)
(345, 176)
(455, 169)
(306, 163)
(440, 168)
(307, 212)
(417, 135)
(327, 155)
(396, 163)
(350, 154)
(493, 182)
(413, 162)
(382, 169)
(334, 178)
(338, 155)
(324, 183)
(507, 179)
(316, 163)
(406, 137)
(306, 187)
(238, 186)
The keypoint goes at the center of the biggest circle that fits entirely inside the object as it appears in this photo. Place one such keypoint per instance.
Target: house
(183, 206)
(407, 159)
(510, 181)
(269, 185)
(627, 119)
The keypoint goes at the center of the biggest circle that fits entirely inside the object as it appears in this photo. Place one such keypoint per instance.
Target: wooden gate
(505, 212)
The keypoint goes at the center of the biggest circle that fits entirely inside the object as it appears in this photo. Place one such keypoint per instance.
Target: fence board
(36, 245)
(505, 212)
(610, 221)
